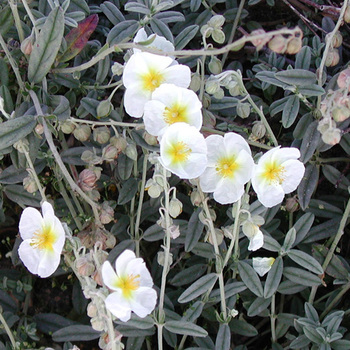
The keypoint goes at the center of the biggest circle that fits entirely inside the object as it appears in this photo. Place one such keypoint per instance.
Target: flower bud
(22, 146)
(175, 207)
(340, 113)
(212, 86)
(119, 142)
(332, 136)
(218, 36)
(219, 95)
(195, 84)
(101, 135)
(131, 151)
(292, 204)
(150, 139)
(91, 310)
(259, 43)
(294, 45)
(27, 45)
(67, 127)
(214, 65)
(344, 79)
(97, 324)
(82, 132)
(234, 88)
(216, 21)
(39, 129)
(29, 184)
(332, 58)
(154, 190)
(161, 259)
(259, 130)
(117, 69)
(106, 214)
(278, 44)
(195, 198)
(206, 101)
(85, 266)
(174, 231)
(219, 237)
(97, 277)
(243, 110)
(347, 14)
(104, 109)
(87, 180)
(209, 119)
(90, 157)
(109, 153)
(337, 40)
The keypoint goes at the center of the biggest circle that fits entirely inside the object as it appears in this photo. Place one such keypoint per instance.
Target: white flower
(171, 104)
(131, 286)
(158, 42)
(43, 240)
(143, 73)
(230, 166)
(262, 265)
(183, 151)
(255, 236)
(278, 172)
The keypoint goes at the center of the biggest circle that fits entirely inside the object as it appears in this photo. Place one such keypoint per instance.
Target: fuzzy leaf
(273, 278)
(306, 261)
(77, 38)
(250, 278)
(185, 328)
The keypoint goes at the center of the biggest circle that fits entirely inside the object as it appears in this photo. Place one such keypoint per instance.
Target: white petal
(135, 99)
(141, 35)
(118, 306)
(256, 242)
(270, 195)
(109, 276)
(144, 301)
(153, 118)
(29, 256)
(138, 267)
(179, 75)
(228, 192)
(210, 179)
(285, 153)
(123, 260)
(60, 236)
(294, 172)
(48, 263)
(262, 265)
(234, 143)
(30, 222)
(195, 166)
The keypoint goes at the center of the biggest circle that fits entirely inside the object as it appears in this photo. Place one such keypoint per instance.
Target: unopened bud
(175, 207)
(150, 139)
(216, 21)
(104, 109)
(109, 153)
(97, 324)
(29, 184)
(206, 101)
(87, 180)
(331, 136)
(82, 132)
(259, 130)
(117, 68)
(218, 36)
(119, 142)
(292, 204)
(106, 214)
(27, 45)
(278, 44)
(101, 135)
(212, 86)
(219, 95)
(234, 88)
(161, 259)
(219, 234)
(294, 45)
(215, 65)
(195, 198)
(153, 188)
(337, 40)
(259, 43)
(195, 84)
(91, 310)
(243, 110)
(67, 127)
(209, 119)
(344, 79)
(131, 151)
(340, 113)
(332, 58)
(39, 129)
(174, 231)
(85, 266)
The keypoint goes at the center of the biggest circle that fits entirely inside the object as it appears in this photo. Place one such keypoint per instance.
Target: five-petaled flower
(144, 72)
(171, 104)
(183, 151)
(43, 240)
(131, 286)
(278, 172)
(229, 168)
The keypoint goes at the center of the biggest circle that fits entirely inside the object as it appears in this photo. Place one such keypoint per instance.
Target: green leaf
(278, 106)
(153, 233)
(195, 5)
(204, 250)
(310, 142)
(311, 90)
(335, 177)
(188, 275)
(6, 20)
(194, 230)
(312, 334)
(194, 311)
(271, 244)
(308, 185)
(345, 143)
(161, 29)
(7, 303)
(258, 306)
(17, 194)
(13, 175)
(289, 288)
(124, 166)
(250, 278)
(112, 12)
(137, 7)
(299, 77)
(324, 209)
(269, 77)
(289, 239)
(290, 111)
(73, 155)
(231, 289)
(122, 31)
(225, 102)
(128, 191)
(322, 231)
(170, 16)
(138, 322)
(303, 58)
(223, 338)
(77, 38)
(302, 126)
(273, 278)
(6, 95)
(185, 328)
(300, 342)
(242, 327)
(198, 288)
(75, 333)
(46, 46)
(302, 277)
(15, 129)
(129, 331)
(341, 344)
(303, 226)
(185, 36)
(305, 260)
(78, 299)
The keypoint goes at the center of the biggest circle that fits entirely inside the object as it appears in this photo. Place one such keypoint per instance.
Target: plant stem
(32, 19)
(110, 122)
(17, 19)
(8, 330)
(273, 318)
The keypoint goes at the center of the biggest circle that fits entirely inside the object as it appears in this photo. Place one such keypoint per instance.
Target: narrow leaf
(258, 306)
(46, 46)
(223, 338)
(310, 142)
(289, 239)
(290, 111)
(273, 278)
(250, 278)
(122, 31)
(306, 261)
(77, 38)
(299, 77)
(75, 332)
(185, 328)
(128, 191)
(185, 36)
(161, 29)
(300, 276)
(303, 226)
(112, 12)
(194, 230)
(308, 185)
(198, 288)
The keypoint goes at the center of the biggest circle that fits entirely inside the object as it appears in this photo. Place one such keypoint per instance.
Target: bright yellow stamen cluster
(128, 284)
(175, 114)
(274, 173)
(179, 152)
(226, 167)
(44, 239)
(152, 79)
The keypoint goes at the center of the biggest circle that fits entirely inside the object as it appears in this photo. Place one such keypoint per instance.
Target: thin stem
(273, 318)
(334, 245)
(17, 19)
(132, 206)
(111, 333)
(8, 331)
(234, 28)
(32, 19)
(110, 122)
(12, 63)
(60, 163)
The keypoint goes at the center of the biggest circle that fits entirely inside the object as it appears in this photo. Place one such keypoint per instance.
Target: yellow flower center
(152, 79)
(44, 239)
(175, 114)
(179, 152)
(226, 167)
(128, 284)
(274, 173)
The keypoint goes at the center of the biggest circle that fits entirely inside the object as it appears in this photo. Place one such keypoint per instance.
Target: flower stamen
(179, 152)
(152, 79)
(226, 167)
(175, 114)
(274, 173)
(44, 239)
(128, 284)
